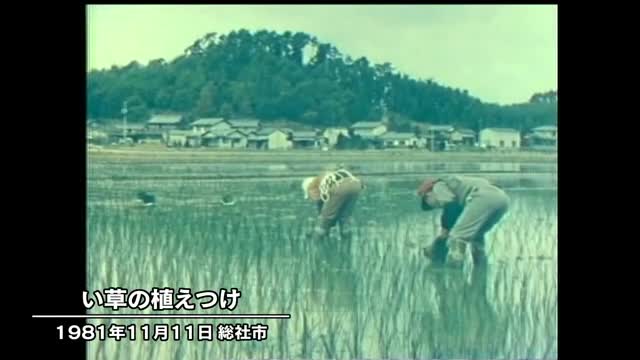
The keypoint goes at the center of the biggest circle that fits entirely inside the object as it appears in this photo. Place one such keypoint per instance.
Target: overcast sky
(499, 53)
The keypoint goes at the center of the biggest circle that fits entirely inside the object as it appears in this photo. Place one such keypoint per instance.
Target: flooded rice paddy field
(375, 297)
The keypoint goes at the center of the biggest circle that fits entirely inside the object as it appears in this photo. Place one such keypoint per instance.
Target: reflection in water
(466, 314)
(333, 273)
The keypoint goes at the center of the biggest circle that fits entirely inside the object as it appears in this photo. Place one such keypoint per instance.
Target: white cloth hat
(305, 186)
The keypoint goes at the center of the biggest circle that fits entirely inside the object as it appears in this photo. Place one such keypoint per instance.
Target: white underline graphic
(167, 316)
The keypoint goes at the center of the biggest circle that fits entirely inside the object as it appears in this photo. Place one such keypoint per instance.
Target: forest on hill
(293, 76)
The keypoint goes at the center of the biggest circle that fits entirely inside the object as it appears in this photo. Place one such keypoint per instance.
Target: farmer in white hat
(335, 193)
(471, 206)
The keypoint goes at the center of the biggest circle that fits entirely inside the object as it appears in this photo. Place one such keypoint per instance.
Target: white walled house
(375, 128)
(502, 138)
(271, 139)
(279, 140)
(399, 140)
(332, 134)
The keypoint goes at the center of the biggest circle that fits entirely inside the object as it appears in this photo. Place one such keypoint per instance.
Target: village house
(443, 131)
(235, 139)
(499, 138)
(223, 125)
(549, 131)
(543, 137)
(96, 135)
(129, 129)
(203, 125)
(212, 138)
(138, 134)
(331, 135)
(438, 136)
(463, 137)
(182, 138)
(225, 139)
(148, 136)
(270, 138)
(367, 134)
(117, 133)
(399, 140)
(246, 126)
(422, 142)
(279, 139)
(165, 122)
(369, 128)
(257, 142)
(305, 139)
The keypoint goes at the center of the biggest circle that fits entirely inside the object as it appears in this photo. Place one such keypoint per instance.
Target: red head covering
(427, 186)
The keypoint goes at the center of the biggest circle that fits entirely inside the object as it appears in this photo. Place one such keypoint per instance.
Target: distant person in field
(335, 194)
(471, 207)
(146, 198)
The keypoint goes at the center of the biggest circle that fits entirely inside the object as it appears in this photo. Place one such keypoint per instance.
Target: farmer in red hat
(471, 207)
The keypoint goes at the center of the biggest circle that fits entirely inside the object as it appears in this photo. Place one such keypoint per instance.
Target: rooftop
(367, 124)
(235, 134)
(254, 137)
(440, 128)
(545, 128)
(133, 126)
(224, 133)
(206, 121)
(468, 132)
(366, 134)
(503, 130)
(304, 135)
(165, 119)
(212, 134)
(182, 132)
(269, 131)
(397, 136)
(253, 123)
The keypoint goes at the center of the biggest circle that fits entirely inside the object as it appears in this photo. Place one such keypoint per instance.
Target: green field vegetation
(371, 298)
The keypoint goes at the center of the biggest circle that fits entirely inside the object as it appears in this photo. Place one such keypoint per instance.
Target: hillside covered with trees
(293, 76)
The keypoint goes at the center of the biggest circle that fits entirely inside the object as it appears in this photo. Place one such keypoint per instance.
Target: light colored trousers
(484, 208)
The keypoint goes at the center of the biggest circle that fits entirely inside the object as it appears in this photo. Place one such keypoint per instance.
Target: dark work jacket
(450, 214)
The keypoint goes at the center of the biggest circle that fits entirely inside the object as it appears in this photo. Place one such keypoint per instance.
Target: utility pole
(124, 121)
(433, 138)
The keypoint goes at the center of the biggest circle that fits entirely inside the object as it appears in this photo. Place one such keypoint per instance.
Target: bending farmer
(471, 207)
(335, 194)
